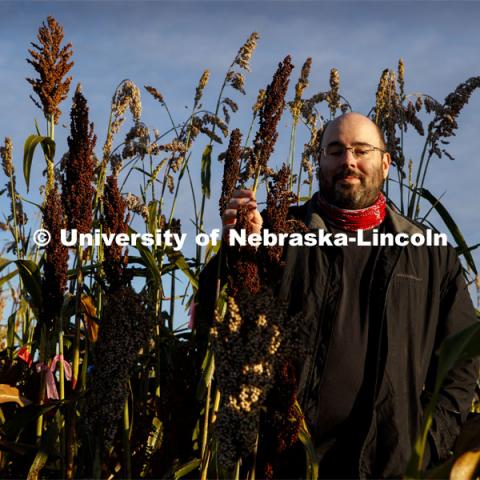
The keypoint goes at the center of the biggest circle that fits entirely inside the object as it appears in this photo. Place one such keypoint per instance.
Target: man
(373, 317)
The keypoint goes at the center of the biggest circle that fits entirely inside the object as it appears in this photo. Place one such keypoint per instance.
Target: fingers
(243, 193)
(256, 220)
(235, 202)
(239, 198)
(229, 217)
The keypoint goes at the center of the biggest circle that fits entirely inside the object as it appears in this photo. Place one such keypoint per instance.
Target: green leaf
(4, 263)
(148, 259)
(451, 225)
(30, 275)
(460, 346)
(207, 369)
(48, 146)
(11, 331)
(460, 251)
(456, 348)
(178, 259)
(47, 448)
(7, 277)
(311, 453)
(152, 216)
(38, 463)
(206, 170)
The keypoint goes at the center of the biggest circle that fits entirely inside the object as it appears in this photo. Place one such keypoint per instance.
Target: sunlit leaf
(466, 467)
(47, 448)
(207, 369)
(148, 259)
(186, 468)
(90, 317)
(7, 277)
(176, 257)
(38, 463)
(11, 394)
(311, 453)
(4, 262)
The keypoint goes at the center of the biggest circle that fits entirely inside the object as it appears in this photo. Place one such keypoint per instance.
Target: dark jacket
(417, 298)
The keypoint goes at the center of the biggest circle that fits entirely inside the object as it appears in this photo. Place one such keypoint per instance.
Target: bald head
(358, 122)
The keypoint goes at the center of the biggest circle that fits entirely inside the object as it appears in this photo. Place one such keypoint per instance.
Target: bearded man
(373, 317)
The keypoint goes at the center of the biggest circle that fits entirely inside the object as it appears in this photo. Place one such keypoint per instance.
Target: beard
(351, 196)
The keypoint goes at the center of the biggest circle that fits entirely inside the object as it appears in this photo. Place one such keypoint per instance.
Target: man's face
(346, 181)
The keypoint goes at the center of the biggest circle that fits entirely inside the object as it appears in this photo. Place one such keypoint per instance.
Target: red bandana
(352, 220)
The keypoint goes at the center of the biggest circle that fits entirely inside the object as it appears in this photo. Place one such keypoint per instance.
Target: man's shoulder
(299, 212)
(403, 224)
(444, 255)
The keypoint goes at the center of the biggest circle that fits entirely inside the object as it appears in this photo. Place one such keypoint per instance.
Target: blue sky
(169, 44)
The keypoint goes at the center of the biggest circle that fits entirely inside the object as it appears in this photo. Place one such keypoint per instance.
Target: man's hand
(229, 218)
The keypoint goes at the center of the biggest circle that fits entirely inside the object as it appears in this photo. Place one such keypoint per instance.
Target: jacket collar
(397, 222)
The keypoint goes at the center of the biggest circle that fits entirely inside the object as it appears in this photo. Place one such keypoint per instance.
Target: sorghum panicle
(114, 221)
(200, 87)
(231, 169)
(301, 85)
(6, 152)
(56, 260)
(246, 51)
(51, 61)
(125, 328)
(333, 96)
(78, 169)
(271, 113)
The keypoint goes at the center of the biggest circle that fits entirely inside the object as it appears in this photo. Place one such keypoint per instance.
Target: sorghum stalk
(296, 109)
(42, 359)
(411, 206)
(204, 467)
(78, 309)
(172, 302)
(206, 422)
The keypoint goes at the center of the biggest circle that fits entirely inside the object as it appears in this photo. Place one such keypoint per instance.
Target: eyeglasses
(359, 152)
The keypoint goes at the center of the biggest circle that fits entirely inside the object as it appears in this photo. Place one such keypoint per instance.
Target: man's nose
(347, 158)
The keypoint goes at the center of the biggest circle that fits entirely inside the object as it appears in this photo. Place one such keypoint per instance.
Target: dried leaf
(90, 317)
(466, 467)
(11, 394)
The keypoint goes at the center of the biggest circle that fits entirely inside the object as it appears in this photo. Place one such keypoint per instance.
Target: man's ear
(386, 162)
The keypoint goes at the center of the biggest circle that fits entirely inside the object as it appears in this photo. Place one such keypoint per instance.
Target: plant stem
(411, 206)
(127, 460)
(43, 360)
(172, 301)
(206, 421)
(291, 152)
(78, 299)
